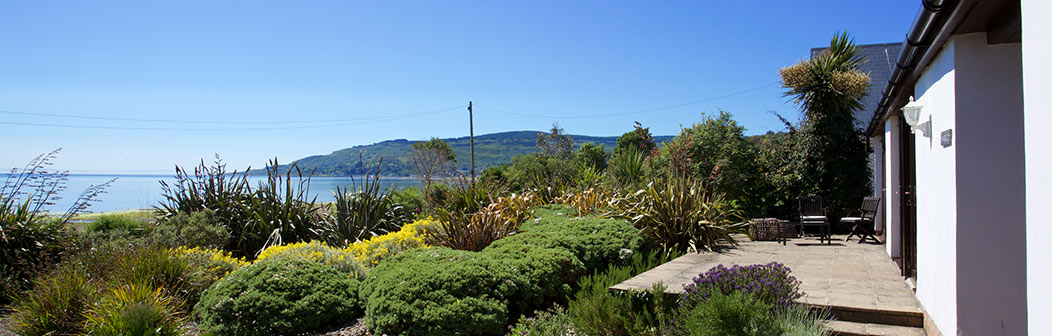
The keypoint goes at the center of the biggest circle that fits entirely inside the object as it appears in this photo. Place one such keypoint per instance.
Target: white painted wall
(1037, 105)
(877, 160)
(937, 194)
(892, 159)
(991, 194)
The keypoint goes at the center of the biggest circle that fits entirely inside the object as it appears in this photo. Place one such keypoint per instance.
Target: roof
(935, 23)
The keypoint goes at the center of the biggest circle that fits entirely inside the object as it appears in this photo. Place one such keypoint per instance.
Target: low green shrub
(595, 310)
(798, 320)
(191, 229)
(736, 313)
(439, 291)
(56, 304)
(135, 310)
(552, 322)
(549, 274)
(597, 242)
(279, 297)
(105, 223)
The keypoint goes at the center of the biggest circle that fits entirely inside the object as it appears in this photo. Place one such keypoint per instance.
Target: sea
(131, 192)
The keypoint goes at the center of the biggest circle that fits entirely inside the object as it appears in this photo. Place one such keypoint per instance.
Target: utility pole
(471, 129)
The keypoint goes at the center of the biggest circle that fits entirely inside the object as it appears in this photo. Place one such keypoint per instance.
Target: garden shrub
(315, 251)
(369, 252)
(154, 267)
(208, 266)
(194, 229)
(548, 274)
(56, 304)
(105, 223)
(365, 210)
(681, 215)
(597, 242)
(26, 248)
(474, 231)
(439, 291)
(799, 320)
(770, 283)
(552, 322)
(595, 310)
(279, 297)
(736, 313)
(278, 210)
(587, 201)
(135, 310)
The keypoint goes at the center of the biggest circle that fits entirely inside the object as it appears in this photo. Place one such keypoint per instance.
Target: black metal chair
(863, 224)
(813, 214)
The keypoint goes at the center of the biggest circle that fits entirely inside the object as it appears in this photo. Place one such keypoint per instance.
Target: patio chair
(813, 214)
(863, 224)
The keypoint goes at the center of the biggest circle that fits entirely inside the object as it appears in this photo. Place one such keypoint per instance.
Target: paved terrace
(850, 278)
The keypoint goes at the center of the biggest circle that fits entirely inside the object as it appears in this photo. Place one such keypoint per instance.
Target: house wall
(877, 160)
(892, 179)
(936, 197)
(1037, 104)
(991, 221)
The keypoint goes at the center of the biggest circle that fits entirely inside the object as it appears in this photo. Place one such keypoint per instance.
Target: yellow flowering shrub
(316, 251)
(211, 264)
(370, 251)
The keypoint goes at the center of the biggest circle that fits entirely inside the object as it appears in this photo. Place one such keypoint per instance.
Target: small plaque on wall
(947, 138)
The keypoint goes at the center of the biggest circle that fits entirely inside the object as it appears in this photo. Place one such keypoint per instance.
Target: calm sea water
(144, 191)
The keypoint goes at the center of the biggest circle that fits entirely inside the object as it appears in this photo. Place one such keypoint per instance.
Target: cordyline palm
(830, 83)
(830, 152)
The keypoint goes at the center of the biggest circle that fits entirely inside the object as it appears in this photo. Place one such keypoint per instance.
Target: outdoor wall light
(912, 114)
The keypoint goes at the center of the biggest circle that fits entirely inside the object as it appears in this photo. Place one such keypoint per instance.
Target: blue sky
(383, 69)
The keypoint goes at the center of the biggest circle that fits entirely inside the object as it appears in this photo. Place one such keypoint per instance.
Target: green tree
(638, 138)
(833, 154)
(715, 150)
(432, 158)
(556, 143)
(592, 155)
(779, 169)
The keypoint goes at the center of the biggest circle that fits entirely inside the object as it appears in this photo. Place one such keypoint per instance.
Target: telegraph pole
(471, 129)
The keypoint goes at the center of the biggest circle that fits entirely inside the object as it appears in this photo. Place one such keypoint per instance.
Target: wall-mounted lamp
(912, 114)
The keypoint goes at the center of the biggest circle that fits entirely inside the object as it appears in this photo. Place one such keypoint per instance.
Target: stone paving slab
(842, 274)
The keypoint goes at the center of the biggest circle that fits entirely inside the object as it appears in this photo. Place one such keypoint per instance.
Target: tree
(638, 138)
(556, 143)
(592, 155)
(715, 150)
(432, 158)
(833, 154)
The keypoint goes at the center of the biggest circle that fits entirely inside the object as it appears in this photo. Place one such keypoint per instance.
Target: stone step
(901, 318)
(846, 328)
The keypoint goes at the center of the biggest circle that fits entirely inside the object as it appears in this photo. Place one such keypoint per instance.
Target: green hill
(490, 150)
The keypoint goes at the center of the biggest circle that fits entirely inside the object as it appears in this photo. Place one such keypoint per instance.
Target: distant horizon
(170, 171)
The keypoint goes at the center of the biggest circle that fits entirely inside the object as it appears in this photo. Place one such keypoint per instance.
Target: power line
(391, 118)
(632, 112)
(206, 121)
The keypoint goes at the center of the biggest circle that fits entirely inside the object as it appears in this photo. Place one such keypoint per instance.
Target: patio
(859, 283)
